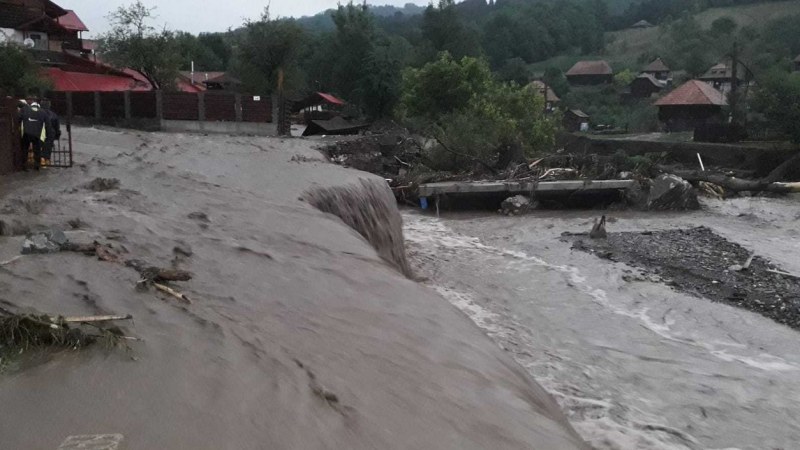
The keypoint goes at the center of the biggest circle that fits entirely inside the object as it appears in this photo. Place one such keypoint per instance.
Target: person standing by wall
(53, 132)
(20, 155)
(34, 131)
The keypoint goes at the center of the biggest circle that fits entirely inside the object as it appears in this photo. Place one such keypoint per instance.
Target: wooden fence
(204, 106)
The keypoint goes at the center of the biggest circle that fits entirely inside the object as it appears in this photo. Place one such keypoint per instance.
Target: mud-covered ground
(299, 335)
(702, 263)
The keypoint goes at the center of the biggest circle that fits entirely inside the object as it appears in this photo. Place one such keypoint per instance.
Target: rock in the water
(672, 192)
(517, 204)
(39, 243)
(57, 237)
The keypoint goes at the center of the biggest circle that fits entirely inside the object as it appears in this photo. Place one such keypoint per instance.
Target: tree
(19, 73)
(515, 70)
(191, 49)
(443, 86)
(133, 42)
(624, 78)
(690, 47)
(380, 85)
(556, 80)
(219, 46)
(266, 47)
(778, 98)
(474, 116)
(444, 30)
(723, 26)
(353, 44)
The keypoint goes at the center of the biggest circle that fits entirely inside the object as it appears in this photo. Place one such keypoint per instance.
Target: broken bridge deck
(521, 187)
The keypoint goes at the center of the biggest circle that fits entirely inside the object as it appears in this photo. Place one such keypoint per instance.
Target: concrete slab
(520, 187)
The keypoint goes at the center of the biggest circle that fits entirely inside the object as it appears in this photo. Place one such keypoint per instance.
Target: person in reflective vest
(33, 128)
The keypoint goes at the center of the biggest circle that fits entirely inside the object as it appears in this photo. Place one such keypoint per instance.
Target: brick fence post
(201, 106)
(69, 104)
(127, 99)
(159, 106)
(237, 105)
(98, 110)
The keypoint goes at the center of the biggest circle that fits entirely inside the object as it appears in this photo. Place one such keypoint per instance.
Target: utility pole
(733, 99)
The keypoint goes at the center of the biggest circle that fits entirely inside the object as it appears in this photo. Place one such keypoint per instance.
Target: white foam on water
(604, 423)
(427, 232)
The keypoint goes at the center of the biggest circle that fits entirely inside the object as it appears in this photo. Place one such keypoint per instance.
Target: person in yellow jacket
(33, 128)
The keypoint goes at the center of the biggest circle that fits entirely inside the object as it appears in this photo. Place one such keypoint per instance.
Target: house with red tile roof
(692, 104)
(53, 36)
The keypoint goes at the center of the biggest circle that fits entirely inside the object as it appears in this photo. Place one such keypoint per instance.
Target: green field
(627, 49)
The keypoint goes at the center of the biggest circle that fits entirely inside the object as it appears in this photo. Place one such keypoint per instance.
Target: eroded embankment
(298, 335)
(369, 208)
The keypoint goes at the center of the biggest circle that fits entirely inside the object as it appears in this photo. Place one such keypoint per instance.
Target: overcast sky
(206, 15)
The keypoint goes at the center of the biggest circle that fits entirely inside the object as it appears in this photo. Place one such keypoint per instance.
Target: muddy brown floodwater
(299, 335)
(634, 362)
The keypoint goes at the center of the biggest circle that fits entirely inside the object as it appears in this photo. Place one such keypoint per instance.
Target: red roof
(88, 82)
(330, 99)
(590, 68)
(693, 92)
(72, 22)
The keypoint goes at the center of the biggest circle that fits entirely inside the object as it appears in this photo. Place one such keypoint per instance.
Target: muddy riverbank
(633, 362)
(299, 334)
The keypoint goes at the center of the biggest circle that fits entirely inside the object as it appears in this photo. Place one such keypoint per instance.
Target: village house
(645, 85)
(693, 104)
(720, 76)
(551, 100)
(590, 73)
(189, 81)
(575, 120)
(53, 36)
(658, 69)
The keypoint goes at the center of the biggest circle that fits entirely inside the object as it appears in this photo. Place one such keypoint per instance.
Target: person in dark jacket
(34, 131)
(21, 153)
(53, 132)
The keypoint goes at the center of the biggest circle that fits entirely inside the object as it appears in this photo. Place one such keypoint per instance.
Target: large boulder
(671, 192)
(517, 204)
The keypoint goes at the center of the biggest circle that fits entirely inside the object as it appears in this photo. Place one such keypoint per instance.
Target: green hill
(631, 48)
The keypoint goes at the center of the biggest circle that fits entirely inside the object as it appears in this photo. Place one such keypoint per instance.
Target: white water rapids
(634, 365)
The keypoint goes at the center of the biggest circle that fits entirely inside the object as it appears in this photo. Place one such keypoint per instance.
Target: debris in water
(103, 184)
(599, 229)
(516, 205)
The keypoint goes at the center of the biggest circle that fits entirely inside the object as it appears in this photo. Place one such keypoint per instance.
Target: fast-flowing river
(634, 364)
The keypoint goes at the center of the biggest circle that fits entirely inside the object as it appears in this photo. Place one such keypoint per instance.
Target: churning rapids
(634, 364)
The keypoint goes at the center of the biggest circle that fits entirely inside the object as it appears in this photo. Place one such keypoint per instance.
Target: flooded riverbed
(633, 363)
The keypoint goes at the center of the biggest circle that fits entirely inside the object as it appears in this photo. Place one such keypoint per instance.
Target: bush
(474, 116)
(19, 73)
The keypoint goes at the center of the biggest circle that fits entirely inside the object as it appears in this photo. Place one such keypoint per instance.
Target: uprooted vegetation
(406, 160)
(23, 333)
